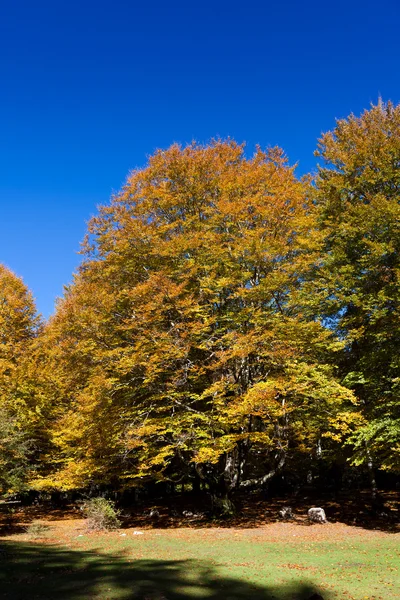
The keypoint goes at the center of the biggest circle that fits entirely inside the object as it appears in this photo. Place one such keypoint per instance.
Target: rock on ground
(286, 512)
(317, 515)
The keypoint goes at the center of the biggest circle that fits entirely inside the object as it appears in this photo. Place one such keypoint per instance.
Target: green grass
(213, 564)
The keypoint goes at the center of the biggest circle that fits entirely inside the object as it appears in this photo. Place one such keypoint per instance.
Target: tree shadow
(355, 509)
(16, 520)
(35, 571)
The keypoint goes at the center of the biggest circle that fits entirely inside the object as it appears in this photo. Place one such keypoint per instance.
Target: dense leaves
(229, 322)
(181, 343)
(19, 325)
(359, 286)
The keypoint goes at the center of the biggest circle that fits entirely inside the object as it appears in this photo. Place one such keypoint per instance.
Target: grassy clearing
(281, 561)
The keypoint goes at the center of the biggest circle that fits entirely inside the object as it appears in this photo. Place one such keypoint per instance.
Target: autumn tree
(181, 348)
(357, 290)
(19, 325)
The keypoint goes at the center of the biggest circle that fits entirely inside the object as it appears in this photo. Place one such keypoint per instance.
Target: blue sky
(90, 89)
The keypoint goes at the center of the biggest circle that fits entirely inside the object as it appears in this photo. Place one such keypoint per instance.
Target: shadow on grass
(35, 571)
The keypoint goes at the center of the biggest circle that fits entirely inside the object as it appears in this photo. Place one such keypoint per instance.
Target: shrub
(36, 529)
(223, 507)
(101, 514)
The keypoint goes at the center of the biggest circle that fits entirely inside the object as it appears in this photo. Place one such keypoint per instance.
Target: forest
(231, 326)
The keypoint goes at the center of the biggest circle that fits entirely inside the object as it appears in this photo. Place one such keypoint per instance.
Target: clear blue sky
(90, 88)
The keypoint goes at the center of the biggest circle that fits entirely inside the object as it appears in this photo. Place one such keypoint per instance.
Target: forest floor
(252, 557)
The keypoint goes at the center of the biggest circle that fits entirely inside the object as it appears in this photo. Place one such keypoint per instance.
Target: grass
(212, 564)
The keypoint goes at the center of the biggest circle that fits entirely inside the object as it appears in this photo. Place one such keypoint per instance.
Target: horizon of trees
(229, 323)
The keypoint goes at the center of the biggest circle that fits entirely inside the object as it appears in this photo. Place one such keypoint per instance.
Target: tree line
(229, 323)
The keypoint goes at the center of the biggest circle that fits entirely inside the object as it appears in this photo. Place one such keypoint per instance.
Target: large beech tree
(19, 325)
(358, 287)
(181, 348)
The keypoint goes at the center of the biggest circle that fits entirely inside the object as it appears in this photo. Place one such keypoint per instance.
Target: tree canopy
(228, 322)
(358, 192)
(19, 325)
(181, 342)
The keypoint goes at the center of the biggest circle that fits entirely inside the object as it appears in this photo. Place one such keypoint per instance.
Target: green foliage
(357, 289)
(15, 452)
(101, 514)
(223, 507)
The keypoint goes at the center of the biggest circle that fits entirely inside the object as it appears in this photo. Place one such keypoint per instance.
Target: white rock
(286, 513)
(138, 533)
(317, 515)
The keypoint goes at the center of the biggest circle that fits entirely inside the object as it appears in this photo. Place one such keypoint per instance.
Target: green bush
(101, 514)
(223, 507)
